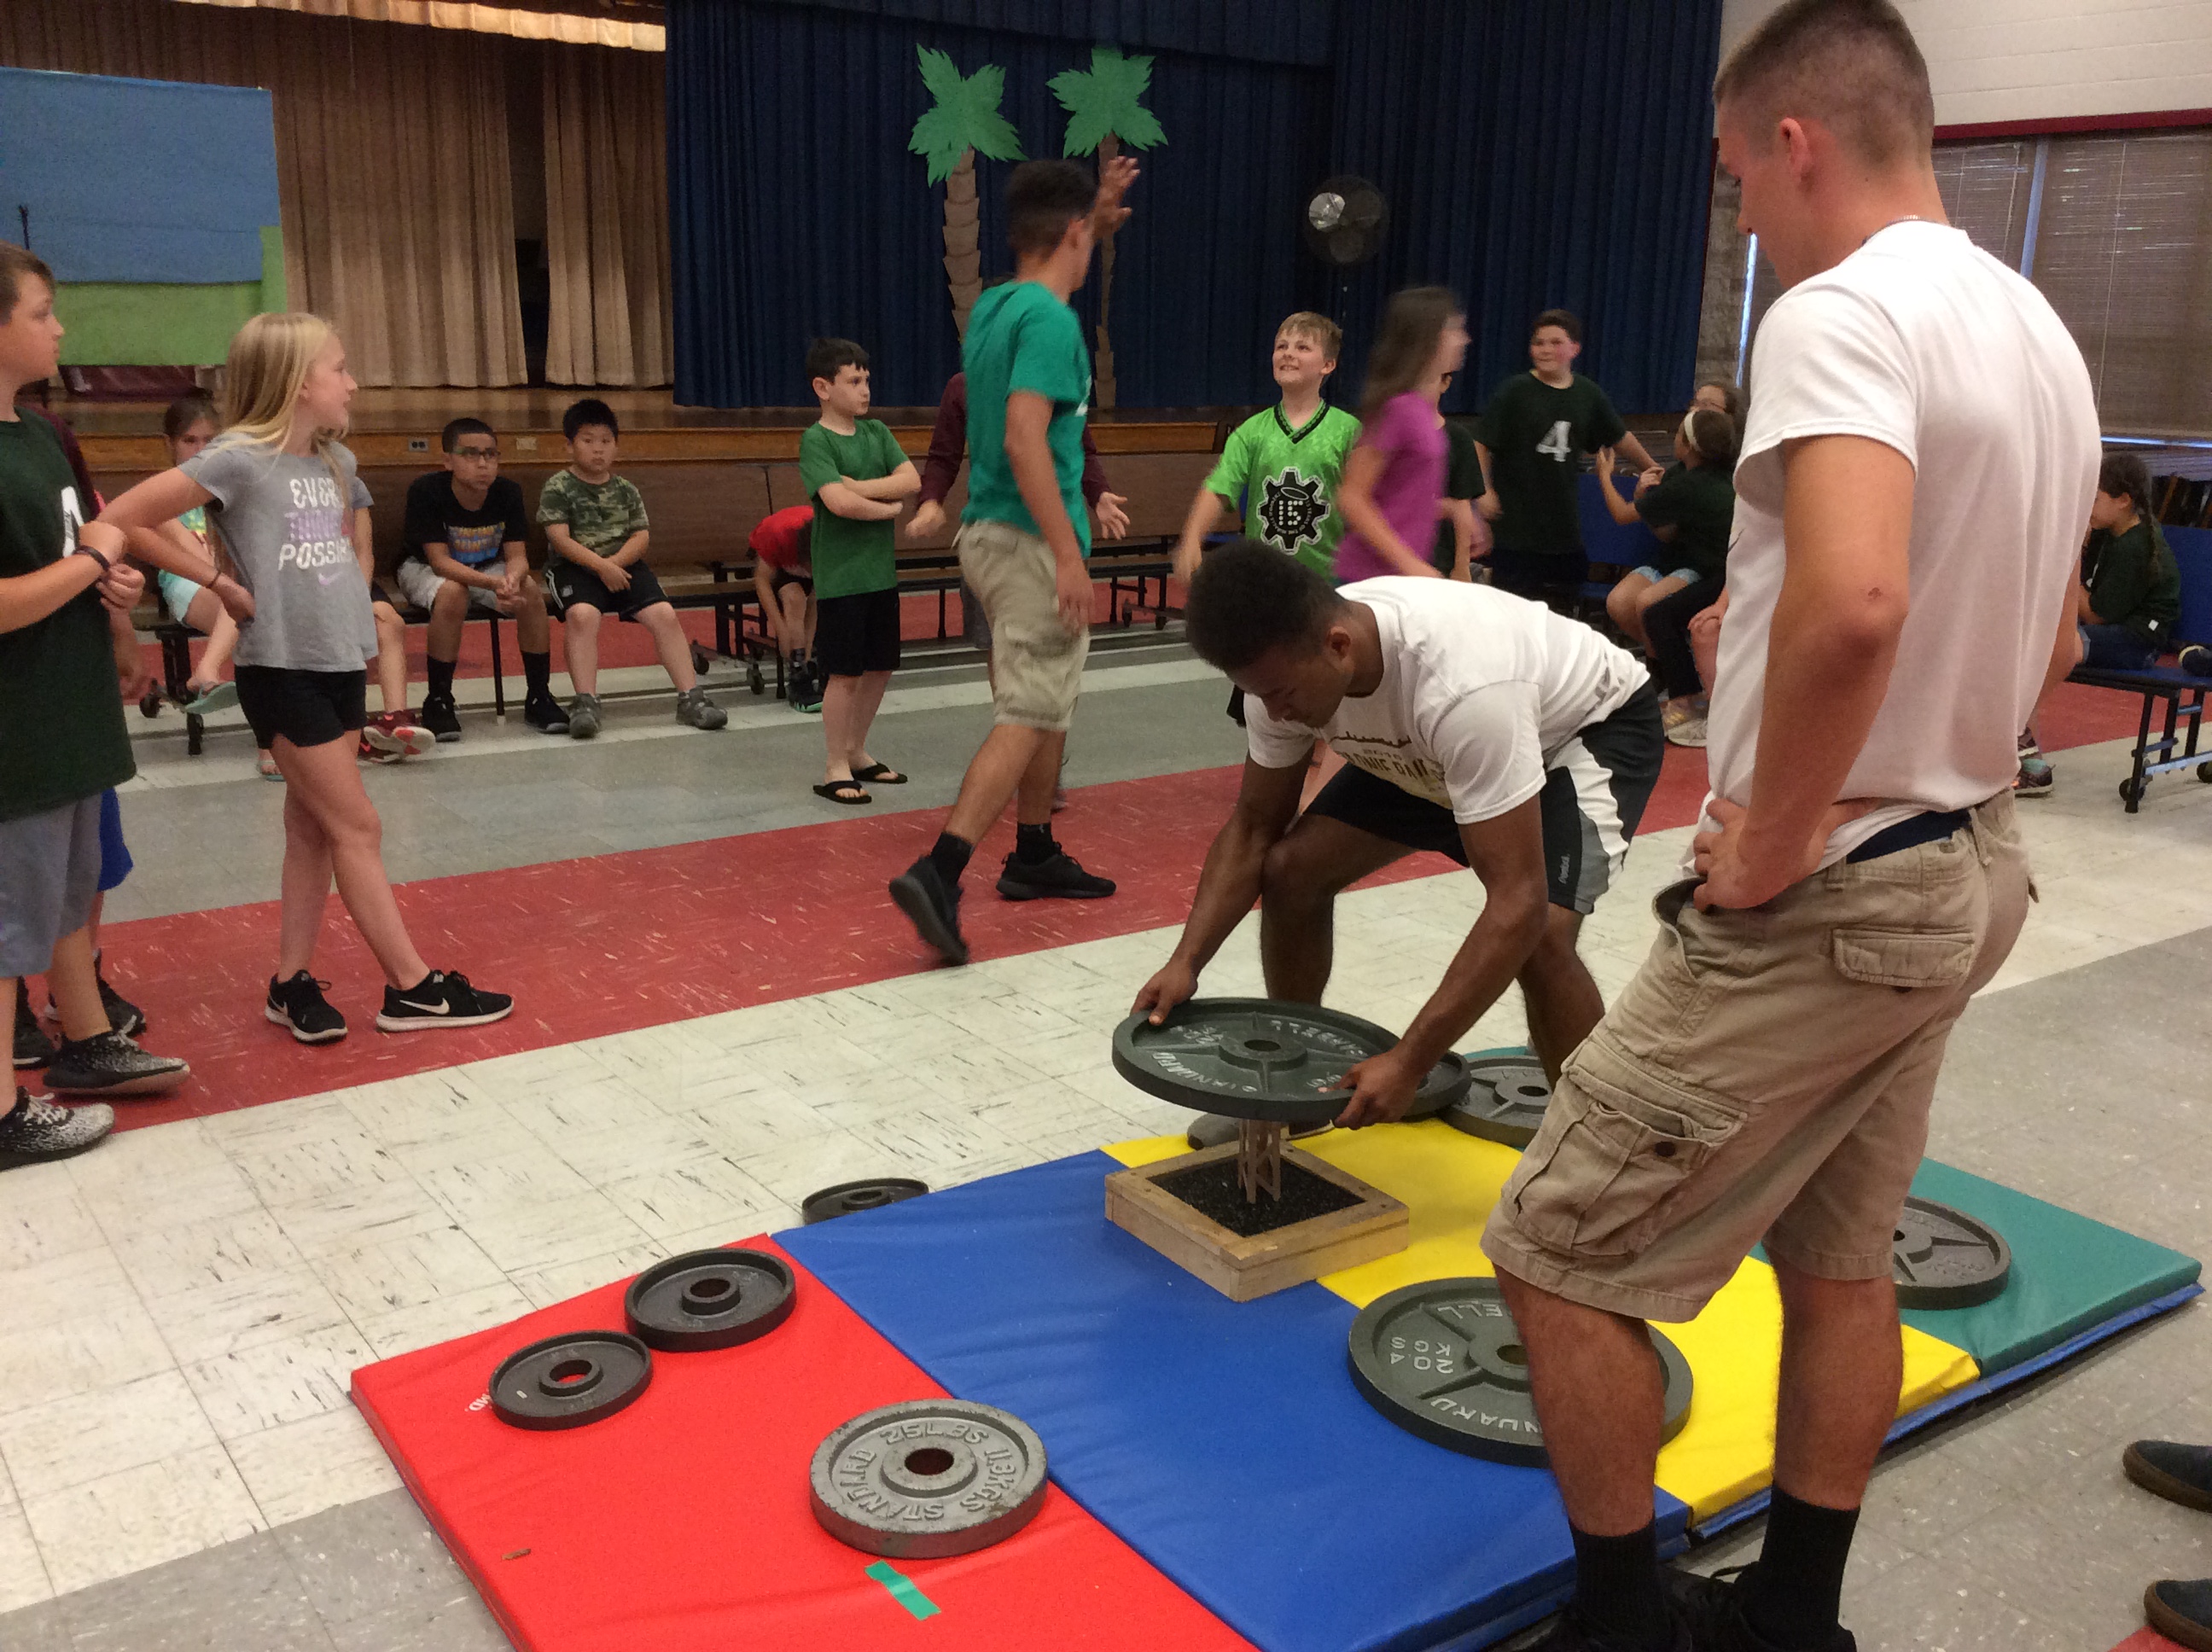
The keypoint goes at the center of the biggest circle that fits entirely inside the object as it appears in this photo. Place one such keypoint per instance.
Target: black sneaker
(439, 1000)
(2182, 1612)
(109, 1064)
(1567, 1634)
(933, 908)
(122, 1015)
(1059, 876)
(1710, 1610)
(300, 1005)
(543, 712)
(440, 717)
(37, 1129)
(2179, 1473)
(32, 1048)
(2196, 659)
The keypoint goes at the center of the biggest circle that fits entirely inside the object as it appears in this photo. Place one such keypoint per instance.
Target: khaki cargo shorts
(1037, 667)
(1765, 1076)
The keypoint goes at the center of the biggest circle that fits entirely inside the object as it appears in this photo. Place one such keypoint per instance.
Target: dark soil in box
(1212, 1190)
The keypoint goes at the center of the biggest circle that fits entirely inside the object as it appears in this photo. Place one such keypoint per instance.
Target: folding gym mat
(682, 1521)
(1225, 1441)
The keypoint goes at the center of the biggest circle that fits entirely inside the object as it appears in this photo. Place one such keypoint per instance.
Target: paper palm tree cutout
(1102, 114)
(960, 123)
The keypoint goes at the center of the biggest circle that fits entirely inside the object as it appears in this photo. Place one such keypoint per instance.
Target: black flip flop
(847, 791)
(879, 774)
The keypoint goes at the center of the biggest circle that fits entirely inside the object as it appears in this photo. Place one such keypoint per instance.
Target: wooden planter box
(1242, 1269)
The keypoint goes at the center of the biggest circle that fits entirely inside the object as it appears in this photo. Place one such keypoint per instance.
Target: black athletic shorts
(857, 634)
(572, 585)
(781, 579)
(1595, 790)
(306, 708)
(1554, 580)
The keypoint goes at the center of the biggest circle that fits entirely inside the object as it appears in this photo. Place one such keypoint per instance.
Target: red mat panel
(2148, 1640)
(682, 1522)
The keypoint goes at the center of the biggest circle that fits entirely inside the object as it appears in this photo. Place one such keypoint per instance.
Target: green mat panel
(2069, 1272)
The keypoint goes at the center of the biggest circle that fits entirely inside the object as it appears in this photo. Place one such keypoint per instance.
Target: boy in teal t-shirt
(856, 475)
(1285, 464)
(1023, 540)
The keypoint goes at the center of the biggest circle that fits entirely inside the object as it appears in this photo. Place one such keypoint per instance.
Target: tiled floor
(179, 1463)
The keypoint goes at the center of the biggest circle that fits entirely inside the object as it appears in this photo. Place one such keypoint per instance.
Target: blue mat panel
(1222, 1440)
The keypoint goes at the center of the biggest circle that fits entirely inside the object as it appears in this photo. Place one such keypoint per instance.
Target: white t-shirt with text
(1480, 689)
(1922, 341)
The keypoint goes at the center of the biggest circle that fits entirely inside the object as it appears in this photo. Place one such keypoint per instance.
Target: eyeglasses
(475, 452)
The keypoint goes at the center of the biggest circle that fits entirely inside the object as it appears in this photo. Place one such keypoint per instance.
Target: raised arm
(1622, 511)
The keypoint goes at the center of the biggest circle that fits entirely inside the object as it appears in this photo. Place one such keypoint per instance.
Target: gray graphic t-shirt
(284, 519)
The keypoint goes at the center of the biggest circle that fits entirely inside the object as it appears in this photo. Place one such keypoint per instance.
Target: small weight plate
(928, 1478)
(567, 1380)
(847, 1196)
(1505, 1099)
(1248, 1058)
(1443, 1359)
(1943, 1258)
(708, 1299)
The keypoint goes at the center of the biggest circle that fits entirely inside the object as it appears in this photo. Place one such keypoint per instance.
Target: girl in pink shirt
(1395, 475)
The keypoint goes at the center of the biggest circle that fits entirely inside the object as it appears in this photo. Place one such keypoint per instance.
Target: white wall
(2039, 59)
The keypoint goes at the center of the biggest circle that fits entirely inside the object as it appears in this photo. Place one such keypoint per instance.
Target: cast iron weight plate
(1505, 1099)
(567, 1380)
(1256, 1058)
(927, 1477)
(708, 1299)
(1443, 1359)
(849, 1196)
(1943, 1258)
(1444, 1087)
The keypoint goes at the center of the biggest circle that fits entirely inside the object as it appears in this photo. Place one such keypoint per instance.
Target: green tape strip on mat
(2069, 1272)
(902, 1589)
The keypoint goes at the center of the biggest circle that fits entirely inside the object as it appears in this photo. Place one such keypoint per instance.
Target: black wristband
(83, 550)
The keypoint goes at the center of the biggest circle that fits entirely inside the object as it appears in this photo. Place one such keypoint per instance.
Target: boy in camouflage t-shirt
(595, 525)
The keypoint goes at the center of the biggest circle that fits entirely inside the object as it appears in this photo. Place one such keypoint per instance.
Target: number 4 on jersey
(1557, 445)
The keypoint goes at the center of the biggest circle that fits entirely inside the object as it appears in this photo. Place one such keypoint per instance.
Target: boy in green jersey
(1023, 539)
(1283, 463)
(1535, 424)
(856, 478)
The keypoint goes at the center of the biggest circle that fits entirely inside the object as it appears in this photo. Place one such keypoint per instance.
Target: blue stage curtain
(796, 211)
(1536, 153)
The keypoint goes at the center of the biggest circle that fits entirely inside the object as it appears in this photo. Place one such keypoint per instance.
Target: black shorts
(1555, 580)
(378, 593)
(804, 581)
(1595, 790)
(306, 708)
(857, 634)
(574, 586)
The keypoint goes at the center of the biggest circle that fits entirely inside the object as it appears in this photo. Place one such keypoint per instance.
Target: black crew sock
(1794, 1596)
(1618, 1595)
(1034, 845)
(442, 678)
(537, 672)
(950, 856)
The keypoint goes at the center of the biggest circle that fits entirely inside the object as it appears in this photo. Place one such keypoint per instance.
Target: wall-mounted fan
(1345, 220)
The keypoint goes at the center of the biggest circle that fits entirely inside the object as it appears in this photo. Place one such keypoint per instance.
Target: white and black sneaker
(37, 1129)
(439, 1000)
(300, 1005)
(109, 1064)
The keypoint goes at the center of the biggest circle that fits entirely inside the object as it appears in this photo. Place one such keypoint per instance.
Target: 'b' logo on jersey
(1291, 510)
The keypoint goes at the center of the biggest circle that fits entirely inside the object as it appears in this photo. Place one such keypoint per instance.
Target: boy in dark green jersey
(1535, 424)
(856, 478)
(1024, 536)
(1283, 463)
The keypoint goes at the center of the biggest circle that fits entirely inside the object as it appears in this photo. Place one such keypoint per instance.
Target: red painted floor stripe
(638, 939)
(2147, 1639)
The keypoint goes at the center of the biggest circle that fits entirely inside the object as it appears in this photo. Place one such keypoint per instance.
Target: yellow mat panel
(1449, 1182)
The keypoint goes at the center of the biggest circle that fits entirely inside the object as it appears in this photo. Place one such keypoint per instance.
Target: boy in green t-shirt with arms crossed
(595, 525)
(1023, 539)
(1534, 425)
(856, 475)
(1285, 463)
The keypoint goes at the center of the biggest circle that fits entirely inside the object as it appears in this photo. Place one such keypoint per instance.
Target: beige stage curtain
(606, 218)
(392, 160)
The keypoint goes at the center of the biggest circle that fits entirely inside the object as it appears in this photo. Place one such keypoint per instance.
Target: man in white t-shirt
(1914, 483)
(1474, 724)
